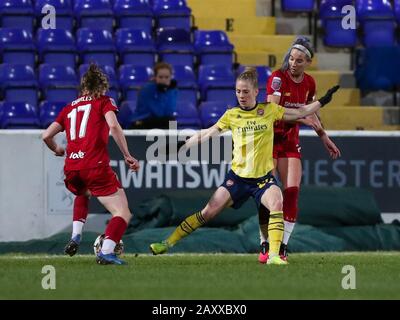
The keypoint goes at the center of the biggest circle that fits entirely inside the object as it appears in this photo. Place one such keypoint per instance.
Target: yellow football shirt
(253, 138)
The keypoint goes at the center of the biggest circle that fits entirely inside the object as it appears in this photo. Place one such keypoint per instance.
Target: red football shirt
(292, 95)
(87, 132)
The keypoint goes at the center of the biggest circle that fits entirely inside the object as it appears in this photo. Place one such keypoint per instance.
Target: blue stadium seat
(132, 78)
(187, 116)
(56, 46)
(213, 47)
(48, 112)
(175, 46)
(64, 13)
(94, 14)
(210, 112)
(58, 82)
(334, 34)
(134, 13)
(377, 21)
(172, 13)
(187, 84)
(96, 46)
(262, 95)
(135, 47)
(217, 83)
(377, 68)
(18, 83)
(297, 5)
(112, 79)
(17, 14)
(17, 45)
(19, 115)
(126, 113)
(397, 10)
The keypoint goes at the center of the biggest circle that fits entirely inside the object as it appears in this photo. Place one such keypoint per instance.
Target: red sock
(115, 229)
(81, 208)
(290, 199)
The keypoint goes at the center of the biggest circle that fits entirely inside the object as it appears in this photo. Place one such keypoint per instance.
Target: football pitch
(204, 276)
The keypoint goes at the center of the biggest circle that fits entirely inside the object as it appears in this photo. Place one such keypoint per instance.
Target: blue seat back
(134, 76)
(210, 112)
(17, 14)
(297, 5)
(19, 115)
(185, 76)
(17, 45)
(126, 115)
(375, 9)
(377, 68)
(216, 76)
(48, 112)
(137, 13)
(57, 76)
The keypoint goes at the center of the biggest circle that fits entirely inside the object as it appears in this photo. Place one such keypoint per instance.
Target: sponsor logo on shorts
(229, 183)
(77, 155)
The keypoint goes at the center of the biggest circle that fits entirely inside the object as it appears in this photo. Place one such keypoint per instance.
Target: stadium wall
(34, 203)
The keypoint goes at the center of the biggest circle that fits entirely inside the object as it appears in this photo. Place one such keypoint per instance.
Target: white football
(119, 248)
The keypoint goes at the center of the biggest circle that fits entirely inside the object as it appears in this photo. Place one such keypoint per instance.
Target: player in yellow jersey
(252, 126)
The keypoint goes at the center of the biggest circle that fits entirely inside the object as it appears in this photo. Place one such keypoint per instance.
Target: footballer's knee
(209, 212)
(275, 204)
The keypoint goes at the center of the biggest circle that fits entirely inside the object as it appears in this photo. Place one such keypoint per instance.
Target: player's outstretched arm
(118, 135)
(202, 136)
(294, 114)
(48, 138)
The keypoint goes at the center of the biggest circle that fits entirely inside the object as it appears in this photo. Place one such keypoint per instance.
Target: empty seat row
(101, 14)
(376, 19)
(174, 45)
(25, 116)
(59, 83)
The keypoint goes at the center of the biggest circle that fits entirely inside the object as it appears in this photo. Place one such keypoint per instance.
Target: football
(119, 248)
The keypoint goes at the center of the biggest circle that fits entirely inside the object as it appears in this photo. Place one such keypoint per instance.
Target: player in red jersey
(87, 122)
(291, 87)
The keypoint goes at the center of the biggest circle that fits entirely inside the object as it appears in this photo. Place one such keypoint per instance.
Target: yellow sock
(275, 232)
(186, 227)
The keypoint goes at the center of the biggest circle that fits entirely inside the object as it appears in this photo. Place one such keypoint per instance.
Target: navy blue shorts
(241, 189)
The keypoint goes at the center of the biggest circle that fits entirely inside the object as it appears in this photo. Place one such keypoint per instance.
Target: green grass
(208, 276)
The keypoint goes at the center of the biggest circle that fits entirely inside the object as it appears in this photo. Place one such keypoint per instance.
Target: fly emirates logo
(77, 155)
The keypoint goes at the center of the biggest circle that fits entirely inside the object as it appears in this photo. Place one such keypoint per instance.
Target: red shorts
(100, 181)
(286, 149)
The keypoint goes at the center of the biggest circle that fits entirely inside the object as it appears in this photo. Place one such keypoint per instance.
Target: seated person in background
(156, 103)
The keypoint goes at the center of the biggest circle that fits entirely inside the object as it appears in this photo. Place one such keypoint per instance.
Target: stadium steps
(347, 97)
(267, 43)
(223, 8)
(238, 25)
(271, 59)
(353, 118)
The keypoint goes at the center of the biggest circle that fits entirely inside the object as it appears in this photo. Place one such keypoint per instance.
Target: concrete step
(292, 25)
(268, 43)
(340, 61)
(379, 98)
(273, 60)
(223, 8)
(325, 79)
(345, 97)
(352, 118)
(263, 8)
(244, 26)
